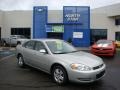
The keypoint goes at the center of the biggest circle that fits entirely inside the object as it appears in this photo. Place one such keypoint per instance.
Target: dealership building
(78, 24)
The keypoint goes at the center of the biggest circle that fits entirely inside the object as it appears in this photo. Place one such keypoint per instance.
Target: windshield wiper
(61, 53)
(66, 52)
(74, 51)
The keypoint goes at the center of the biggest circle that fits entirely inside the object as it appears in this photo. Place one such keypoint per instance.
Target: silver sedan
(61, 60)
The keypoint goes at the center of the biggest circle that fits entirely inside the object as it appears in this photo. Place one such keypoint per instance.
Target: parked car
(61, 60)
(13, 40)
(104, 48)
(117, 43)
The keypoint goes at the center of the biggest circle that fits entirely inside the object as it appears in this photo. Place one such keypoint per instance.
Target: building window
(21, 31)
(55, 28)
(55, 31)
(97, 34)
(117, 21)
(117, 36)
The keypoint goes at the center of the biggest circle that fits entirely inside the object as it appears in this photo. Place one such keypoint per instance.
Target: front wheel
(59, 75)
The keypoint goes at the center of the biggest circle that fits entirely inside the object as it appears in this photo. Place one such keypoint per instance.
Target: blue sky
(52, 4)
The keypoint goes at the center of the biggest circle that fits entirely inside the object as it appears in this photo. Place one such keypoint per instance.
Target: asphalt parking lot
(14, 78)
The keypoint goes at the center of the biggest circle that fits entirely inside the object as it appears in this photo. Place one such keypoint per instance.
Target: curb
(6, 48)
(6, 57)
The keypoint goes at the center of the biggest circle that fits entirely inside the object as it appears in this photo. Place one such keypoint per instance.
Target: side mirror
(42, 51)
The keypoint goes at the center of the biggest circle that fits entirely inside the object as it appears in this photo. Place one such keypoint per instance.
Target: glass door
(117, 36)
(97, 34)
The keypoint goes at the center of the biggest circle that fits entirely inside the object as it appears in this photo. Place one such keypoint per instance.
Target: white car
(13, 40)
(61, 60)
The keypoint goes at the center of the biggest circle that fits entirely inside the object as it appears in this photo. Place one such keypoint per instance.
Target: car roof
(44, 39)
(16, 35)
(104, 40)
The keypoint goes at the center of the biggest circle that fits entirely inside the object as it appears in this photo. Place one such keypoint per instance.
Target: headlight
(80, 67)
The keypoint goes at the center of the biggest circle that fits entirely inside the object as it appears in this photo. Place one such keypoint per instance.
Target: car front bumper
(103, 52)
(86, 76)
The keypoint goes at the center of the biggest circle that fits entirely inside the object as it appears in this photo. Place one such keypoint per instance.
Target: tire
(4, 43)
(21, 61)
(18, 43)
(59, 75)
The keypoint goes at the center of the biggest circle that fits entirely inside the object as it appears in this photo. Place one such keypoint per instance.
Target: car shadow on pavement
(46, 78)
(98, 85)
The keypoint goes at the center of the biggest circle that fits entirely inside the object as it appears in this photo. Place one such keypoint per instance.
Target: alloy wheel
(20, 61)
(58, 75)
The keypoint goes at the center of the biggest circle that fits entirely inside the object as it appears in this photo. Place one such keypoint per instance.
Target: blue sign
(76, 21)
(76, 15)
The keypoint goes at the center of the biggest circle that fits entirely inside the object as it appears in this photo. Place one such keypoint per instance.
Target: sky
(9, 5)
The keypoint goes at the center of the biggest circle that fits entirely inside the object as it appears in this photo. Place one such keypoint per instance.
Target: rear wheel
(59, 75)
(21, 61)
(4, 43)
(18, 43)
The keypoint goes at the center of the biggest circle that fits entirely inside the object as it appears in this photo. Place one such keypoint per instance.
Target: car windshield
(104, 42)
(60, 47)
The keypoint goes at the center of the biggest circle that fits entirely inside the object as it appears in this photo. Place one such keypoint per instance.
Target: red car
(104, 48)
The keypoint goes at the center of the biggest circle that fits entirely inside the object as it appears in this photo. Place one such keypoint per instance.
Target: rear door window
(29, 44)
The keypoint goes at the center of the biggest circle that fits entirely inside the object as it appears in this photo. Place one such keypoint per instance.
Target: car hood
(80, 57)
(102, 46)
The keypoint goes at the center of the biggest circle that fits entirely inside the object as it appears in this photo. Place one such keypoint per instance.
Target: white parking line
(7, 57)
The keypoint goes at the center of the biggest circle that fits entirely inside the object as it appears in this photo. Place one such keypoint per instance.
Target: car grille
(100, 74)
(97, 67)
(102, 52)
(102, 48)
